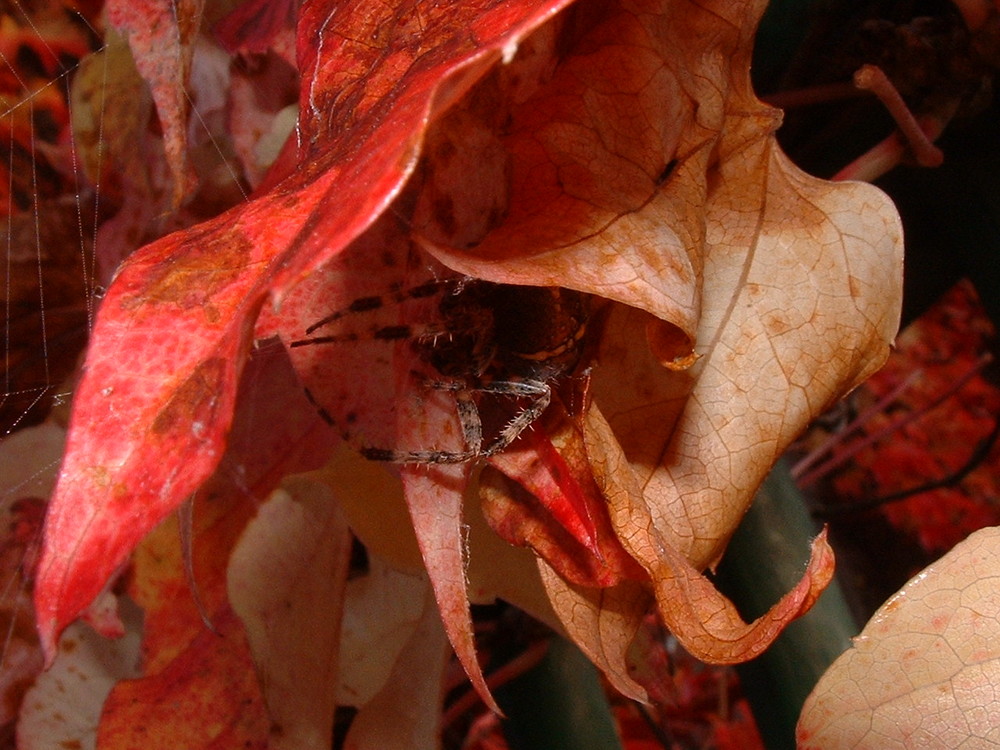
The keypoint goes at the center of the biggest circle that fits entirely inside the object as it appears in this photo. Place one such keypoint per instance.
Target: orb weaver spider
(489, 340)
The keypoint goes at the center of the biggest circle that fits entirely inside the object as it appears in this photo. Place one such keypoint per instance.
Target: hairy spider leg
(539, 392)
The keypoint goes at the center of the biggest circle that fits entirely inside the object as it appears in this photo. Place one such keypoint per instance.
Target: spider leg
(468, 417)
(390, 456)
(394, 296)
(540, 394)
(468, 412)
(380, 333)
(472, 428)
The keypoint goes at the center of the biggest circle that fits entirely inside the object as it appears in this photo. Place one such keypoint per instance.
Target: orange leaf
(207, 698)
(602, 622)
(560, 512)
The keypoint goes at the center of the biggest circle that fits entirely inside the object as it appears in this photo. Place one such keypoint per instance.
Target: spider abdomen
(512, 331)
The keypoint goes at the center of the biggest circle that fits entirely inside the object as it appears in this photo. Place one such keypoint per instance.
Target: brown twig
(840, 436)
(873, 78)
(836, 461)
(914, 136)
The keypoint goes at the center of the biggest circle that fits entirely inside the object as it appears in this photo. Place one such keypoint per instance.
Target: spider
(497, 339)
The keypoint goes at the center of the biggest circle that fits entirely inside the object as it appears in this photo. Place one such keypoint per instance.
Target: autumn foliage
(607, 149)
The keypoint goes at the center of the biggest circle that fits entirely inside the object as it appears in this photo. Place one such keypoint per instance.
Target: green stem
(558, 705)
(764, 560)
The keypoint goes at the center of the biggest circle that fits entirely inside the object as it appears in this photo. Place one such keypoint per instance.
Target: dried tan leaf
(381, 611)
(602, 623)
(406, 712)
(746, 295)
(63, 708)
(923, 672)
(286, 581)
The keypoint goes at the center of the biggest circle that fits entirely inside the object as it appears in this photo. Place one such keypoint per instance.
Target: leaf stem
(914, 135)
(873, 78)
(810, 95)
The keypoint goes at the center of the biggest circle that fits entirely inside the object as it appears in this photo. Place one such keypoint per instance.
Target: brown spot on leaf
(215, 261)
(194, 402)
(776, 324)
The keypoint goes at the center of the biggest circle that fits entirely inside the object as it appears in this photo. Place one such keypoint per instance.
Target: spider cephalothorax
(494, 347)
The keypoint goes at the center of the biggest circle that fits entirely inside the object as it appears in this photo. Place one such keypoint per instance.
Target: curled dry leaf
(761, 294)
(923, 672)
(611, 150)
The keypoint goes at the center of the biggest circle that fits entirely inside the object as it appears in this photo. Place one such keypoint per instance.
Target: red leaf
(212, 680)
(548, 477)
(563, 516)
(256, 26)
(157, 396)
(435, 501)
